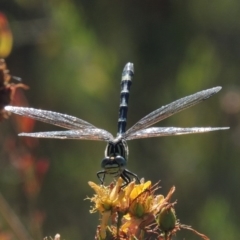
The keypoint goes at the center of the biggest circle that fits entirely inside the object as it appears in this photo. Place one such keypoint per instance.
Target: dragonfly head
(114, 165)
(115, 160)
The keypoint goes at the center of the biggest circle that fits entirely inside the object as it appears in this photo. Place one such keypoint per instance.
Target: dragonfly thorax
(118, 148)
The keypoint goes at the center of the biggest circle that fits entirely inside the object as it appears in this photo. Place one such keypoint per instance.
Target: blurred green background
(72, 53)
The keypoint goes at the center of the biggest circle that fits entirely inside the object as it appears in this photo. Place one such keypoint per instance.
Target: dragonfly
(115, 160)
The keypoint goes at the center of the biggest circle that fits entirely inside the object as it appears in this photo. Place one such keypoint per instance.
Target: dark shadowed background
(71, 54)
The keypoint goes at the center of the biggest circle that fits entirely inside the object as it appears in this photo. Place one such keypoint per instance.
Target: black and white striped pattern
(126, 83)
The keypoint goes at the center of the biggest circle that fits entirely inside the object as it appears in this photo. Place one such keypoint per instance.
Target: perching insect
(116, 153)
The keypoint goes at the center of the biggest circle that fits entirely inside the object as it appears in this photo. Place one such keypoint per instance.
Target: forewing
(83, 134)
(58, 119)
(170, 109)
(170, 131)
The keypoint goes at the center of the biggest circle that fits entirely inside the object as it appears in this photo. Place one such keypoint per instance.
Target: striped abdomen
(126, 82)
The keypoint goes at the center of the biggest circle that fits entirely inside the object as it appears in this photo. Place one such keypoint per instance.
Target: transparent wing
(58, 119)
(80, 129)
(169, 131)
(82, 134)
(170, 109)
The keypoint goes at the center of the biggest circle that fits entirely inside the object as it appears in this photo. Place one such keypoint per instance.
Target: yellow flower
(107, 201)
(143, 205)
(140, 199)
(132, 203)
(106, 198)
(135, 211)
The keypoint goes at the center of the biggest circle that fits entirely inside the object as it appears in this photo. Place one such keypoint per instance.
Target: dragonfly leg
(126, 177)
(101, 176)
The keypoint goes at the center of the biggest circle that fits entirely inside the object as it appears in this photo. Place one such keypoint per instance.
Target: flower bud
(138, 210)
(166, 219)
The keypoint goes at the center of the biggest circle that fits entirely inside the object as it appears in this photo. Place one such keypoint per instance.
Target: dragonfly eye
(105, 161)
(114, 161)
(121, 161)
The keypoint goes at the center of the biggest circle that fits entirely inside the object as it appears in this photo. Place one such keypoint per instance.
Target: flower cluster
(135, 212)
